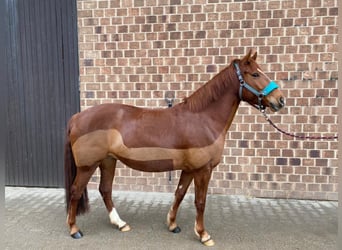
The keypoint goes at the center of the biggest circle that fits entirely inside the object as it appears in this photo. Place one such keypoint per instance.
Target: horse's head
(255, 87)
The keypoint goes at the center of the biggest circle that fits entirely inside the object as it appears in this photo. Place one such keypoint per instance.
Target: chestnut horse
(190, 137)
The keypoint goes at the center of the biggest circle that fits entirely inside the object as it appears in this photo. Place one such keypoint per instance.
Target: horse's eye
(255, 75)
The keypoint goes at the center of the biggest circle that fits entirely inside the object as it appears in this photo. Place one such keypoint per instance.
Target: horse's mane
(212, 90)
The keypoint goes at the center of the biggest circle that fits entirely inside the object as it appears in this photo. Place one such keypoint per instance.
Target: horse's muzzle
(278, 105)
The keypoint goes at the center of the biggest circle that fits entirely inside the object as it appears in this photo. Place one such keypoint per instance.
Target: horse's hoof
(176, 230)
(208, 243)
(125, 228)
(77, 235)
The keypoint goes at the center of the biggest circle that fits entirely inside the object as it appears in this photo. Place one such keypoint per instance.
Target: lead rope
(303, 137)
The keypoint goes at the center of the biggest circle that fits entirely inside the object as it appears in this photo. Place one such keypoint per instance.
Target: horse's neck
(218, 100)
(223, 110)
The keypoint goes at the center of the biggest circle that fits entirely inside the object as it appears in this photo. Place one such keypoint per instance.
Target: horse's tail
(70, 174)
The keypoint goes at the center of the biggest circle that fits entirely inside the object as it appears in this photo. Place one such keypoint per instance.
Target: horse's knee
(200, 205)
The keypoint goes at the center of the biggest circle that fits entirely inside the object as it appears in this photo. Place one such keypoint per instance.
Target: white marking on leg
(115, 218)
(168, 218)
(197, 234)
(206, 239)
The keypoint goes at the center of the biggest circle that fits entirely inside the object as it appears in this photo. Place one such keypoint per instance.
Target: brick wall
(136, 51)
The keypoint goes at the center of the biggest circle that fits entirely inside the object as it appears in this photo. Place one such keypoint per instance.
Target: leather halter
(260, 94)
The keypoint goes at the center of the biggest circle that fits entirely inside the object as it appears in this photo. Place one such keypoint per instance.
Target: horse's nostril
(281, 101)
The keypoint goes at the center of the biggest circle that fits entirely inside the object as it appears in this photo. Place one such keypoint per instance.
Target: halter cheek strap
(260, 94)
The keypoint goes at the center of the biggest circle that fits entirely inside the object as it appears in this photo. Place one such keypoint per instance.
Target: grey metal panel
(43, 89)
(4, 40)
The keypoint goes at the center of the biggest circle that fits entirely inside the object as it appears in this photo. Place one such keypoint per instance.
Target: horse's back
(102, 117)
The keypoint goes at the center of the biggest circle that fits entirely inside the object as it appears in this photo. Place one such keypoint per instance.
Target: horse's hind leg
(81, 180)
(107, 168)
(183, 185)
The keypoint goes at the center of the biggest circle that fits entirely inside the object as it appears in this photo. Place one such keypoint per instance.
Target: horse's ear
(254, 56)
(246, 58)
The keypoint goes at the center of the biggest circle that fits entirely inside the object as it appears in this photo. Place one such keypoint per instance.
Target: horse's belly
(159, 159)
(151, 159)
(150, 165)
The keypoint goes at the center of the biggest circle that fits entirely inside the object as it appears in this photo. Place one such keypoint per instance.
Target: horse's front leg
(107, 168)
(201, 180)
(183, 185)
